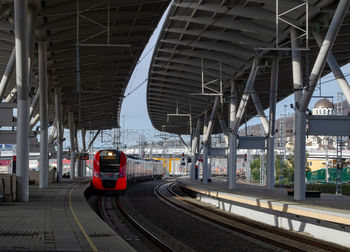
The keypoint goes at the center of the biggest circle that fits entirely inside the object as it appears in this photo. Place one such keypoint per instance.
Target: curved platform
(326, 218)
(56, 219)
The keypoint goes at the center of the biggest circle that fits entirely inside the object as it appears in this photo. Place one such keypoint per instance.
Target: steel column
(79, 161)
(206, 141)
(32, 15)
(326, 47)
(232, 143)
(194, 148)
(77, 151)
(297, 69)
(43, 88)
(60, 128)
(83, 136)
(245, 96)
(22, 141)
(7, 74)
(338, 74)
(272, 116)
(76, 138)
(79, 168)
(299, 169)
(299, 122)
(205, 149)
(205, 164)
(260, 111)
(72, 144)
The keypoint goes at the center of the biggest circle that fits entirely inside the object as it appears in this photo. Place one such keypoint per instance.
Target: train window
(109, 161)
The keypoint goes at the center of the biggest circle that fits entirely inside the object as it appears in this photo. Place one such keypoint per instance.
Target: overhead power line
(132, 91)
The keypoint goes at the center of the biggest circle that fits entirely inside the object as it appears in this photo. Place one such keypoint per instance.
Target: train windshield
(109, 161)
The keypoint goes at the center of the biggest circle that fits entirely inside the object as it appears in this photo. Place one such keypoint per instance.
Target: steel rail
(276, 236)
(155, 240)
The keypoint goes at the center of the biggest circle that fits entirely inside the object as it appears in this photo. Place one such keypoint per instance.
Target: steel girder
(230, 33)
(102, 68)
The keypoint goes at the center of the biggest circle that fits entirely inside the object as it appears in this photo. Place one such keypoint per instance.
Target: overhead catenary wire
(138, 86)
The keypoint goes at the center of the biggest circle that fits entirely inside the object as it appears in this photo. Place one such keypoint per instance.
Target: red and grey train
(112, 170)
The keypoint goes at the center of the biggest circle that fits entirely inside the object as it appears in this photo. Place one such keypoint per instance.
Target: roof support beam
(260, 111)
(234, 37)
(93, 140)
(245, 96)
(7, 74)
(222, 47)
(228, 23)
(241, 11)
(224, 58)
(326, 47)
(34, 102)
(338, 74)
(223, 127)
(183, 141)
(34, 121)
(211, 64)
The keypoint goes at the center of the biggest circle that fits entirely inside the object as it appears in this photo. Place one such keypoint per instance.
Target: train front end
(109, 170)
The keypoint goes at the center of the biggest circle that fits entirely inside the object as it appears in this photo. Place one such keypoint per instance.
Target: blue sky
(134, 113)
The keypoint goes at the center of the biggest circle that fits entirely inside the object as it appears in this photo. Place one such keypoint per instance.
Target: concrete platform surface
(329, 207)
(56, 219)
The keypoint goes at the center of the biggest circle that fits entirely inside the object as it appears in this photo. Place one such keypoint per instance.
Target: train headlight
(96, 174)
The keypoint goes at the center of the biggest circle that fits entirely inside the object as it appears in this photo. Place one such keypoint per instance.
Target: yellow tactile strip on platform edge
(291, 209)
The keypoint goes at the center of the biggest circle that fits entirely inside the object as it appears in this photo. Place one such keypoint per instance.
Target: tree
(255, 169)
(284, 170)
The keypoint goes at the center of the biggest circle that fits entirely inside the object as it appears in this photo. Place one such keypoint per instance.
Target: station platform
(56, 219)
(327, 217)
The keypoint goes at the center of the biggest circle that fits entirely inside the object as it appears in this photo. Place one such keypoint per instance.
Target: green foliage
(284, 170)
(255, 163)
(255, 174)
(255, 169)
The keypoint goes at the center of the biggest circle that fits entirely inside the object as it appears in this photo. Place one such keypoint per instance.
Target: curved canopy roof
(104, 69)
(209, 41)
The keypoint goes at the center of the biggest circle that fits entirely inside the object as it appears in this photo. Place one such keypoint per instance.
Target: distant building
(322, 107)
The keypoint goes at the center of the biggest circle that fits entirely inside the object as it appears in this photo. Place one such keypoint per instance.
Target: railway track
(107, 211)
(278, 237)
